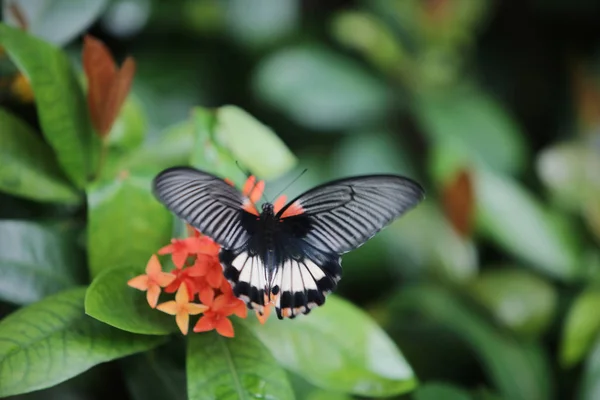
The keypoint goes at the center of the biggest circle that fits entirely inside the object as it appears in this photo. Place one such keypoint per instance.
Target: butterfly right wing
(207, 203)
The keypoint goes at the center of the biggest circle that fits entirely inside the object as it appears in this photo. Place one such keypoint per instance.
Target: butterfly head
(267, 208)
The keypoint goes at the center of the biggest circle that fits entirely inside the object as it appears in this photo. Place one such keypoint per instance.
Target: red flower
(152, 280)
(181, 249)
(199, 271)
(209, 268)
(182, 308)
(216, 316)
(182, 276)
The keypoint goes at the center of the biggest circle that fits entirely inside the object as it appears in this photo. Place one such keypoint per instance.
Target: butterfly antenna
(291, 183)
(244, 171)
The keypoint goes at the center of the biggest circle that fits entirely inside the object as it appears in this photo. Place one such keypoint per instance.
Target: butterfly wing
(328, 221)
(342, 215)
(207, 203)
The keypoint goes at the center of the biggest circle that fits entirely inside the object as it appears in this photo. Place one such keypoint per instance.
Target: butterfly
(290, 257)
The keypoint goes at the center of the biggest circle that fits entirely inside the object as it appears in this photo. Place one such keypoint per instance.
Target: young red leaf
(459, 202)
(107, 86)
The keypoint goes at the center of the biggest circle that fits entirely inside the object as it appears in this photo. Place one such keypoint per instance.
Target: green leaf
(565, 168)
(53, 340)
(126, 223)
(589, 386)
(519, 370)
(372, 152)
(425, 241)
(303, 390)
(263, 24)
(237, 368)
(37, 261)
(518, 299)
(59, 100)
(89, 385)
(129, 129)
(371, 37)
(110, 300)
(157, 374)
(320, 89)
(581, 327)
(471, 125)
(230, 134)
(255, 145)
(29, 168)
(338, 347)
(207, 154)
(514, 219)
(440, 391)
(174, 148)
(56, 21)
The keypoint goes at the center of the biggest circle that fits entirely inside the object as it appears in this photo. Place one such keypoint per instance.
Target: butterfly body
(276, 246)
(290, 257)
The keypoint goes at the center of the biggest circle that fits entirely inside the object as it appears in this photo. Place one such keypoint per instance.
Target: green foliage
(434, 391)
(29, 168)
(580, 330)
(144, 224)
(520, 300)
(340, 95)
(519, 369)
(59, 100)
(506, 310)
(113, 303)
(218, 368)
(37, 339)
(37, 261)
(339, 348)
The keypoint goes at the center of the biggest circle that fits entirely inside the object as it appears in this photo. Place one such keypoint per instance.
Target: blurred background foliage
(490, 288)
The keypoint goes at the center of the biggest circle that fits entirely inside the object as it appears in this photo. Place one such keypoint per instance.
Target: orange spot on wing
(248, 185)
(279, 203)
(294, 209)
(251, 208)
(257, 191)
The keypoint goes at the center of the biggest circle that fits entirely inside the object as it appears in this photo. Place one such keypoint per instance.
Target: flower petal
(219, 304)
(224, 327)
(214, 277)
(169, 307)
(152, 294)
(140, 282)
(195, 308)
(183, 321)
(201, 266)
(240, 309)
(168, 249)
(182, 296)
(153, 267)
(207, 295)
(204, 324)
(164, 279)
(179, 258)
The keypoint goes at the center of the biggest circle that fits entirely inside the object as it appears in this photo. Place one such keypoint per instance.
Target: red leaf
(108, 86)
(458, 200)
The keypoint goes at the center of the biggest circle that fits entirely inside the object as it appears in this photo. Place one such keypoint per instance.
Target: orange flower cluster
(197, 275)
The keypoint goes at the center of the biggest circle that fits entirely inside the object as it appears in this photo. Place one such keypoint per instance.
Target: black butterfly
(292, 256)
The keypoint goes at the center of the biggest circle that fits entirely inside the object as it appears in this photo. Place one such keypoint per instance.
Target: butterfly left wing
(207, 203)
(328, 221)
